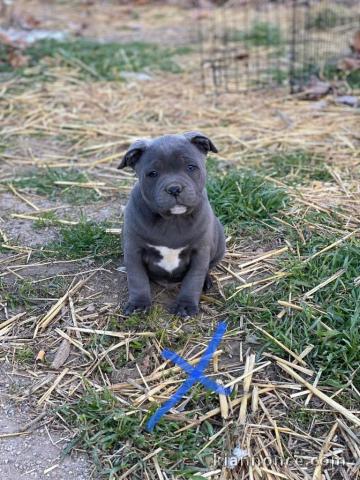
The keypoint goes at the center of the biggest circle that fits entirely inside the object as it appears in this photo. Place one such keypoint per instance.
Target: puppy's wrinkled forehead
(170, 150)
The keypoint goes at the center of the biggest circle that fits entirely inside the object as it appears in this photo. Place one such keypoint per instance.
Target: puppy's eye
(153, 174)
(191, 168)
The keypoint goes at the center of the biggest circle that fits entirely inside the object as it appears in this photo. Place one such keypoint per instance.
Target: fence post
(293, 47)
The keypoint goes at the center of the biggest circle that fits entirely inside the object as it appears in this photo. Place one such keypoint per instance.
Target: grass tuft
(26, 293)
(243, 197)
(84, 239)
(100, 61)
(24, 355)
(328, 16)
(260, 34)
(298, 167)
(47, 219)
(331, 71)
(43, 182)
(331, 317)
(104, 429)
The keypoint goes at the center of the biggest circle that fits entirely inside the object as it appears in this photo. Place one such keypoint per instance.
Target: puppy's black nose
(174, 190)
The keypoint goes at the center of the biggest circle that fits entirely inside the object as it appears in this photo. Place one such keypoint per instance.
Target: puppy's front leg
(187, 302)
(138, 281)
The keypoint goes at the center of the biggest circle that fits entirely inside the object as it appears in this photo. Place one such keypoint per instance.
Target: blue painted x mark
(195, 374)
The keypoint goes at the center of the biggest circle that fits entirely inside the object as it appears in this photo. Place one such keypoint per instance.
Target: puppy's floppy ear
(201, 141)
(134, 153)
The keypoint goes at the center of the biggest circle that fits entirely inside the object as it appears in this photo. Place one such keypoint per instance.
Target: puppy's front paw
(184, 308)
(137, 306)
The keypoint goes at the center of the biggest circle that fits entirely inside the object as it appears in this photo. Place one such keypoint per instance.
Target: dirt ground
(35, 454)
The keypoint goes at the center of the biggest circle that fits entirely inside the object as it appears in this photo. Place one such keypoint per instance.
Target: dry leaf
(6, 40)
(27, 21)
(17, 60)
(61, 355)
(316, 89)
(355, 43)
(242, 56)
(40, 356)
(145, 365)
(349, 64)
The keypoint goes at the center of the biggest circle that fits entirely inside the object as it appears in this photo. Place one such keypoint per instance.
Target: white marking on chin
(170, 257)
(178, 209)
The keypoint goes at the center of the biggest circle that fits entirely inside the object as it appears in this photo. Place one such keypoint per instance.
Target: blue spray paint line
(185, 387)
(214, 343)
(195, 374)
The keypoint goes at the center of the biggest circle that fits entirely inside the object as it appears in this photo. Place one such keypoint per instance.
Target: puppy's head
(171, 171)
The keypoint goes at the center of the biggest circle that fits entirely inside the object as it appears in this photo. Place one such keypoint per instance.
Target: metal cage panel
(252, 44)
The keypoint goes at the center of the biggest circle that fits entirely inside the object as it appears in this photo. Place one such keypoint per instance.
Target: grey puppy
(170, 231)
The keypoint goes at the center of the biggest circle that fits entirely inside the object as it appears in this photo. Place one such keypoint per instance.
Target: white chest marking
(170, 257)
(178, 209)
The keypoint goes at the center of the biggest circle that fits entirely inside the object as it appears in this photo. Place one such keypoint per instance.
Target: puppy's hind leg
(208, 283)
(217, 257)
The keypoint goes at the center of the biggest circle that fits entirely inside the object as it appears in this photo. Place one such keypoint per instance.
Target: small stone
(348, 100)
(143, 77)
(240, 453)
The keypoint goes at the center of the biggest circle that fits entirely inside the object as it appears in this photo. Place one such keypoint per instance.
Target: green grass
(325, 17)
(120, 359)
(7, 295)
(47, 219)
(103, 428)
(84, 239)
(24, 355)
(329, 72)
(331, 318)
(332, 72)
(25, 293)
(238, 196)
(308, 420)
(43, 182)
(98, 61)
(353, 79)
(297, 167)
(279, 76)
(260, 34)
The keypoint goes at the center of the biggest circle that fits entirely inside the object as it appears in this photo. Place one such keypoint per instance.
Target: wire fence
(248, 44)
